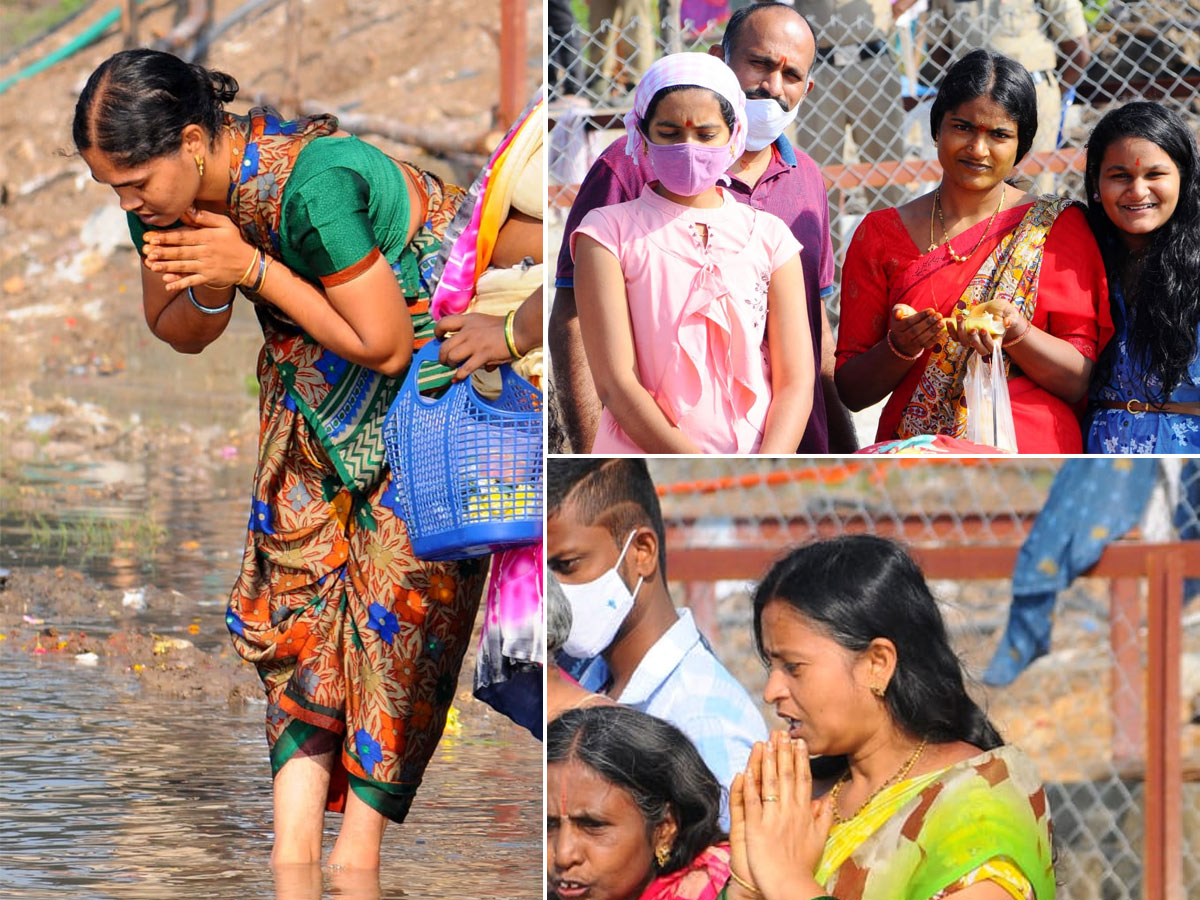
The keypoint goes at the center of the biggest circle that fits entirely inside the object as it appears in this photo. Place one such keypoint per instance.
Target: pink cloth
(698, 313)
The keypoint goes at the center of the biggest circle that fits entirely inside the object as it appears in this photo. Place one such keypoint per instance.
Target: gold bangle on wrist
(262, 273)
(509, 338)
(254, 262)
(743, 882)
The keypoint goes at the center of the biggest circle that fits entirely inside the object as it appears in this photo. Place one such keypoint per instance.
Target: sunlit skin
(690, 116)
(597, 846)
(773, 56)
(1139, 189)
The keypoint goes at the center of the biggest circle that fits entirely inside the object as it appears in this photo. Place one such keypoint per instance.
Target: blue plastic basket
(467, 470)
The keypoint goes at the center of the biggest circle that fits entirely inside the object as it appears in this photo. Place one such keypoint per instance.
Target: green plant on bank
(92, 536)
(19, 22)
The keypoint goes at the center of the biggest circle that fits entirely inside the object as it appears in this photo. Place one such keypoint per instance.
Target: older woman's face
(157, 191)
(977, 144)
(817, 686)
(597, 846)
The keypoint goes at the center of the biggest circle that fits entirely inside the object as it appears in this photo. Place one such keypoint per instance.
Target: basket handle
(429, 353)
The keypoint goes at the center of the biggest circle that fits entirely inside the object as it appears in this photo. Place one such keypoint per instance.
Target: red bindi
(1138, 162)
(688, 123)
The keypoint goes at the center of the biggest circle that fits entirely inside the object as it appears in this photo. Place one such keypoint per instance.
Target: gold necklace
(933, 244)
(901, 773)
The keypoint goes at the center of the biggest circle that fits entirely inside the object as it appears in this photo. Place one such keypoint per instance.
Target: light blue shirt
(682, 681)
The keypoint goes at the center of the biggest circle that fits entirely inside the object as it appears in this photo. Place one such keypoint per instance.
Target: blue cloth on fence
(1091, 503)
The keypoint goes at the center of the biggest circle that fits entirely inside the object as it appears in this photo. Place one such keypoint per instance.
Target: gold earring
(200, 164)
(662, 854)
(878, 691)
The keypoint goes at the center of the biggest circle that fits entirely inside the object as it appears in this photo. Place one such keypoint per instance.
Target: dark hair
(861, 587)
(558, 616)
(733, 27)
(1164, 307)
(982, 73)
(136, 104)
(617, 494)
(651, 759)
(727, 112)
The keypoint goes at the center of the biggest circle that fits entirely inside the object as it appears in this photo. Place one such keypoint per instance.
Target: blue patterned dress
(1119, 431)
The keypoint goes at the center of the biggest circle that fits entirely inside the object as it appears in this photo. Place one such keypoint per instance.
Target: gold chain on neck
(900, 775)
(937, 207)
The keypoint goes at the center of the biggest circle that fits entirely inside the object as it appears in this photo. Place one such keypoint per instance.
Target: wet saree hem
(304, 710)
(390, 800)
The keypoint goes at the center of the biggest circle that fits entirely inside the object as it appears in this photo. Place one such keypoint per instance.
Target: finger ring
(770, 799)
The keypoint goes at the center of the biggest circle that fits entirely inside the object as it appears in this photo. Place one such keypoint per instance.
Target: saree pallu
(1065, 291)
(512, 642)
(349, 632)
(984, 819)
(703, 878)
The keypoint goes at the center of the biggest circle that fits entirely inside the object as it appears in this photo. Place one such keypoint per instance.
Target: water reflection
(108, 795)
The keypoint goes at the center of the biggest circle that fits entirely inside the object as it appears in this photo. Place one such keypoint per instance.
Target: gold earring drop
(661, 855)
(200, 164)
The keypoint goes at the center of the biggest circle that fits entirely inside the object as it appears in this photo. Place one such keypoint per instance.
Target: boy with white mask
(769, 48)
(605, 543)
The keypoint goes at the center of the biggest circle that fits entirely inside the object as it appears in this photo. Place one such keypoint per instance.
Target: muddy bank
(59, 613)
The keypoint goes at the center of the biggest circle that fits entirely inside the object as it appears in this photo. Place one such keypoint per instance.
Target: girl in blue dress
(1144, 207)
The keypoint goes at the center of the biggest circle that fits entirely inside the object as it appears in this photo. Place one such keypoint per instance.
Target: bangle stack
(262, 262)
(509, 338)
(896, 351)
(1020, 337)
(255, 260)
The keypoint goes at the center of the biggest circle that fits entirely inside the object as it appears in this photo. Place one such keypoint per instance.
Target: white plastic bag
(989, 411)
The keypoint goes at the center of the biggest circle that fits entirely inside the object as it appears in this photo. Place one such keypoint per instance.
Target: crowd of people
(681, 322)
(662, 780)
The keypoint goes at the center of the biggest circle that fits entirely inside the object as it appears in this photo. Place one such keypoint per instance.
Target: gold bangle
(254, 260)
(896, 351)
(747, 885)
(1020, 337)
(509, 338)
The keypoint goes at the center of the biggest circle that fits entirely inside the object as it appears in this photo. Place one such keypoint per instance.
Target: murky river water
(107, 792)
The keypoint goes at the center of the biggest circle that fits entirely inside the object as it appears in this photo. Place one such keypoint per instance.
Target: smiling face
(977, 144)
(158, 190)
(597, 845)
(1139, 188)
(689, 116)
(819, 687)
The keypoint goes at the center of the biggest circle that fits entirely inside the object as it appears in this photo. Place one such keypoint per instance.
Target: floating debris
(87, 659)
(134, 599)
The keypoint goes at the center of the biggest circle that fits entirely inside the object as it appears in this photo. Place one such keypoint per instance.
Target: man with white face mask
(770, 49)
(604, 544)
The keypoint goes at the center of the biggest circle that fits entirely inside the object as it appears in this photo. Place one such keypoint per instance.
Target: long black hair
(1164, 307)
(136, 104)
(655, 762)
(982, 73)
(860, 587)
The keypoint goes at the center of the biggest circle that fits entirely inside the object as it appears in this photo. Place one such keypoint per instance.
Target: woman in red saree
(911, 271)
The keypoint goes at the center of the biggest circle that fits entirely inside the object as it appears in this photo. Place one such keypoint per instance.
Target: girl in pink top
(691, 305)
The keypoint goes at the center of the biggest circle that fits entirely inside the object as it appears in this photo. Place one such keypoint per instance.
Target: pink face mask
(688, 169)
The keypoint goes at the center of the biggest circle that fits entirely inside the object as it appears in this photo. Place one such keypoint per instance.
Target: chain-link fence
(1092, 712)
(867, 121)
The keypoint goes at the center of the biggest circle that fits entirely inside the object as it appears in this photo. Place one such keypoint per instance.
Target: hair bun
(224, 87)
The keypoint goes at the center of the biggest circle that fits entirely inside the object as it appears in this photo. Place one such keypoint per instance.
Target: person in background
(858, 86)
(605, 543)
(770, 49)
